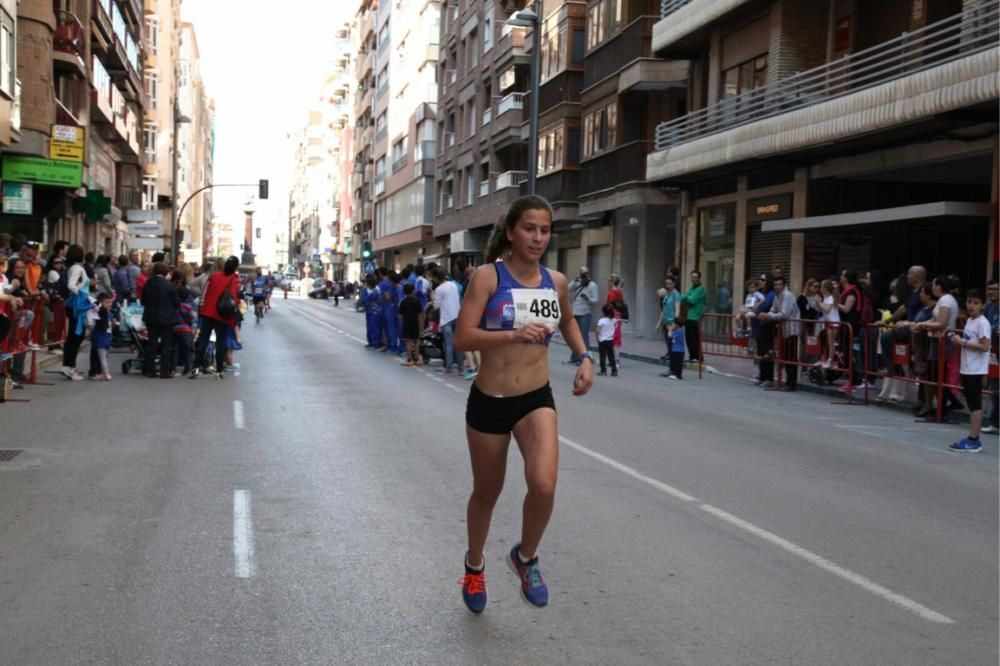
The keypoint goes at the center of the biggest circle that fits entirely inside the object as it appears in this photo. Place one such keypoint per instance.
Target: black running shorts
(497, 416)
(972, 387)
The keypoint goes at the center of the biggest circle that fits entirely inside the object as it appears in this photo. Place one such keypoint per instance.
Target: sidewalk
(649, 350)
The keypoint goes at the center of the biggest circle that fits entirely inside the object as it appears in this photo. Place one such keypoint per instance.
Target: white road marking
(243, 542)
(238, 414)
(864, 583)
(454, 388)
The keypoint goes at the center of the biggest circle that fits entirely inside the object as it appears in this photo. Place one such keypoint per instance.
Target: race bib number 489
(536, 306)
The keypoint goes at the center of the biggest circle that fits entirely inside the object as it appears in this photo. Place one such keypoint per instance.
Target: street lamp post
(179, 119)
(528, 18)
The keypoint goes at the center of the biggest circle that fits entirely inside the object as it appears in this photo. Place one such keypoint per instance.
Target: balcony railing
(510, 102)
(668, 7)
(955, 37)
(380, 134)
(424, 150)
(621, 165)
(400, 163)
(484, 188)
(511, 179)
(69, 35)
(487, 116)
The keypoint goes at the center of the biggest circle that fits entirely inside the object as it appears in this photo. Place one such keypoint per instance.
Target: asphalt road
(311, 511)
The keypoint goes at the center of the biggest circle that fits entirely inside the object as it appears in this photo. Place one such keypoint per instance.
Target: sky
(263, 63)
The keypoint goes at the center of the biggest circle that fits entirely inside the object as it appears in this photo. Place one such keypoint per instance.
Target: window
(100, 78)
(600, 130)
(488, 32)
(8, 53)
(553, 50)
(551, 150)
(149, 192)
(380, 167)
(398, 150)
(604, 21)
(152, 33)
(152, 83)
(470, 186)
(744, 76)
(149, 131)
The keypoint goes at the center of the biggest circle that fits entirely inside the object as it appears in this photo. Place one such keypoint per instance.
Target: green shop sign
(27, 169)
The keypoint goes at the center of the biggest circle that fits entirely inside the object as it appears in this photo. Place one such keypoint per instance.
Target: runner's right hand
(531, 333)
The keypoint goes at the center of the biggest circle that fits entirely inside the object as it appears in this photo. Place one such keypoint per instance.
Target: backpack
(226, 306)
(622, 308)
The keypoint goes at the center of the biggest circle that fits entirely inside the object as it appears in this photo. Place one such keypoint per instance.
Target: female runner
(511, 308)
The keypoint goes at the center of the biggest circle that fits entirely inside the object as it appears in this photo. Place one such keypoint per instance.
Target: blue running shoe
(533, 587)
(474, 590)
(967, 446)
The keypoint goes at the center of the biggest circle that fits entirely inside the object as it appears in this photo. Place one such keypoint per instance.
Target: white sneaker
(67, 372)
(988, 429)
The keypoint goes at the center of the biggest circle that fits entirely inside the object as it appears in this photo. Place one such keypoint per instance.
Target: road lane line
(243, 546)
(238, 414)
(843, 573)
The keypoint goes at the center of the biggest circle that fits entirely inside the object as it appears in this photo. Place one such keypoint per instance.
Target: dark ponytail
(498, 244)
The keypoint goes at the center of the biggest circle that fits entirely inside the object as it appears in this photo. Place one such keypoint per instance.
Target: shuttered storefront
(768, 250)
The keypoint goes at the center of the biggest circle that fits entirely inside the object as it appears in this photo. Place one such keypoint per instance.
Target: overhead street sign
(154, 244)
(146, 229)
(144, 215)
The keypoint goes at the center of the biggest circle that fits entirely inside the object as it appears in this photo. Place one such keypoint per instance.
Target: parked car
(320, 289)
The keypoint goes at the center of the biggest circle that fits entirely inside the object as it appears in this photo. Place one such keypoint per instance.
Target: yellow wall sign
(66, 143)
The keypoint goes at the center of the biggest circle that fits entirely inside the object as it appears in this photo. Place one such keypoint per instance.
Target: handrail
(668, 7)
(957, 36)
(512, 101)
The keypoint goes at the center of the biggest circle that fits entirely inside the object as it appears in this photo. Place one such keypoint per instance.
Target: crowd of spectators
(79, 295)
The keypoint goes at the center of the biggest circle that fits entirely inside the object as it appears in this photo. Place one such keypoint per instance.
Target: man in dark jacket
(160, 304)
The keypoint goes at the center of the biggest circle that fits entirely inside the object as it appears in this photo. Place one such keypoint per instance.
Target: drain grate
(6, 455)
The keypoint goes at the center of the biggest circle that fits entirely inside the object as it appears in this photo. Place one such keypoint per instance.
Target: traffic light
(366, 250)
(262, 189)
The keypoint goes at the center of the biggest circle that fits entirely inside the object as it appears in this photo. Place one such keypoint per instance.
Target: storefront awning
(936, 209)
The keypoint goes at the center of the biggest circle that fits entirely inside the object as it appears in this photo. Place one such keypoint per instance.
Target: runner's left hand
(584, 378)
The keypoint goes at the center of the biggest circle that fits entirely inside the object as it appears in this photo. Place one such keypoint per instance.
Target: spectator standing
(974, 342)
(849, 305)
(184, 332)
(411, 314)
(371, 300)
(197, 286)
(616, 299)
(784, 310)
(695, 301)
(670, 308)
(160, 304)
(102, 275)
(446, 297)
(121, 282)
(100, 338)
(88, 266)
(763, 334)
(676, 350)
(134, 273)
(808, 308)
(992, 314)
(944, 320)
(214, 321)
(606, 327)
(584, 293)
(77, 305)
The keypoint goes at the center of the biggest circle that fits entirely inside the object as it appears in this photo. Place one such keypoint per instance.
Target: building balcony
(366, 25)
(424, 150)
(510, 179)
(133, 10)
(619, 166)
(128, 197)
(560, 187)
(947, 65)
(366, 59)
(513, 46)
(627, 46)
(101, 111)
(381, 134)
(681, 18)
(400, 163)
(69, 44)
(103, 33)
(512, 102)
(365, 102)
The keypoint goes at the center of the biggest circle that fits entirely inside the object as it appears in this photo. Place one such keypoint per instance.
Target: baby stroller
(431, 345)
(820, 375)
(132, 325)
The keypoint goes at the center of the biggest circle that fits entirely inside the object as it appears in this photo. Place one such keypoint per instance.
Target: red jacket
(217, 283)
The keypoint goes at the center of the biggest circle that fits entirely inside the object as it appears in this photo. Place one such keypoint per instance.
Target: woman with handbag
(218, 311)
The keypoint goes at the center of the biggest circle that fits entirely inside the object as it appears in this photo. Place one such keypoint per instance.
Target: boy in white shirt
(606, 339)
(975, 344)
(747, 312)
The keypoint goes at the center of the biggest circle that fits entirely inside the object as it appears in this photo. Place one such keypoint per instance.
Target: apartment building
(830, 135)
(364, 45)
(195, 146)
(482, 150)
(320, 196)
(70, 143)
(404, 107)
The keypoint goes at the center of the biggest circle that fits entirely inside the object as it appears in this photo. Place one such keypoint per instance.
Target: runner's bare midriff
(513, 370)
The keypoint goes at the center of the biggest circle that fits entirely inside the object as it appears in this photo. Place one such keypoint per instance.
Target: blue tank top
(513, 305)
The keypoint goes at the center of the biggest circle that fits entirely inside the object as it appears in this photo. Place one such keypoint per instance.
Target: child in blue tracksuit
(390, 313)
(371, 299)
(677, 350)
